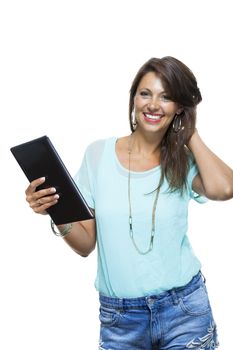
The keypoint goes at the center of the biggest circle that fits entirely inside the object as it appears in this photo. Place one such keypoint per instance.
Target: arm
(215, 178)
(82, 235)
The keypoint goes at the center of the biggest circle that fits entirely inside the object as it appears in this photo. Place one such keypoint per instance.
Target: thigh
(189, 324)
(128, 329)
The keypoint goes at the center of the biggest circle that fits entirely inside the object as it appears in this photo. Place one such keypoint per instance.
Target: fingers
(35, 201)
(40, 200)
(33, 185)
(40, 206)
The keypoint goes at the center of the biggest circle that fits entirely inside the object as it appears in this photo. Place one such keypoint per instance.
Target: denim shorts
(180, 319)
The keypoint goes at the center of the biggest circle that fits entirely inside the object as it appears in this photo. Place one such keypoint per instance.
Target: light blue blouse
(122, 271)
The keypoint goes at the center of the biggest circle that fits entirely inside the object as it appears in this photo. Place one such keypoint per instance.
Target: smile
(153, 117)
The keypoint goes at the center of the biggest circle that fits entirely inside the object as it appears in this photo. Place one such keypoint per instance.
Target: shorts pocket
(196, 303)
(108, 317)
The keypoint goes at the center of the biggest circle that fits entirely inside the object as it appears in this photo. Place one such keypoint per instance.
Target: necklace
(131, 233)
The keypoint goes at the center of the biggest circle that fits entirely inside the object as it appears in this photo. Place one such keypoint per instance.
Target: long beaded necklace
(131, 233)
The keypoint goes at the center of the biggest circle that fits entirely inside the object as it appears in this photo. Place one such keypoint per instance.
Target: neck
(146, 144)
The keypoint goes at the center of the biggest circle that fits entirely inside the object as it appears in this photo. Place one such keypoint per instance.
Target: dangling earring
(133, 117)
(177, 124)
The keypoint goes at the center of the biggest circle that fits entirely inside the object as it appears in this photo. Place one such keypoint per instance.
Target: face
(154, 109)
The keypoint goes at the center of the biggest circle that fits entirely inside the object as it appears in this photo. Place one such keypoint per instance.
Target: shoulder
(96, 148)
(99, 144)
(96, 144)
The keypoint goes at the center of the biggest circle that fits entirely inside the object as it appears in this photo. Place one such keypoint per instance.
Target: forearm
(216, 176)
(78, 237)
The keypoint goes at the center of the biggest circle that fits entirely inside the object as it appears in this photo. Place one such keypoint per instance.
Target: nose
(153, 105)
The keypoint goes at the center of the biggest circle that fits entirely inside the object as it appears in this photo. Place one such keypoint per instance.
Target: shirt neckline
(125, 170)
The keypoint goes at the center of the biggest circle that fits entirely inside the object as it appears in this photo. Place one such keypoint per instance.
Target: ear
(180, 111)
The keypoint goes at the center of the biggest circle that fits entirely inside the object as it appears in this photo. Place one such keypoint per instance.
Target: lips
(153, 118)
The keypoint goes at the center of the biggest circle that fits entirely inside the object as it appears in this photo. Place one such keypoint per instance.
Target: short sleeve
(193, 171)
(86, 176)
(83, 180)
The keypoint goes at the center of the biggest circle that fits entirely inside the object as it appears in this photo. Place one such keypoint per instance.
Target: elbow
(86, 253)
(229, 194)
(82, 254)
(223, 194)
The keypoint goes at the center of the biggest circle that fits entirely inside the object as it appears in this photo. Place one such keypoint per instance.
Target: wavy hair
(181, 85)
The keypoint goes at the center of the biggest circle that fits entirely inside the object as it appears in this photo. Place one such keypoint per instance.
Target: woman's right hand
(40, 200)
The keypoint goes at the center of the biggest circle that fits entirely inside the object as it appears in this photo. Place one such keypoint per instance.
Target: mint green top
(122, 271)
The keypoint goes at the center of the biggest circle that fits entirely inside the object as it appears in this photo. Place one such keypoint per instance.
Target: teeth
(153, 117)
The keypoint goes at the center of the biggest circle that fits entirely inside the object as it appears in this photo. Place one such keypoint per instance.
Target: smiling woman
(168, 87)
(139, 187)
(153, 103)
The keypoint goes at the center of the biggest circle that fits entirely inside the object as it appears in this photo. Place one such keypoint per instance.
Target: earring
(177, 124)
(133, 118)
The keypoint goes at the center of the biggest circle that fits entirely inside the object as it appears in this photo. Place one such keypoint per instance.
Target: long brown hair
(181, 85)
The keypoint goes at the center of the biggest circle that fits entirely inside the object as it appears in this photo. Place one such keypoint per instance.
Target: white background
(66, 69)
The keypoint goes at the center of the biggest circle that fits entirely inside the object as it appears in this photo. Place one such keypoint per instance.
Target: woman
(152, 293)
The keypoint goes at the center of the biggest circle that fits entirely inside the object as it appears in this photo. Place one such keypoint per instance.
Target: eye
(144, 93)
(165, 97)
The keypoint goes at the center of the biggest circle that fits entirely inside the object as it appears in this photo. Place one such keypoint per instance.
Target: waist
(175, 294)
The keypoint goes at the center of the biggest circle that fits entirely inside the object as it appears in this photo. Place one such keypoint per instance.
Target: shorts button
(150, 301)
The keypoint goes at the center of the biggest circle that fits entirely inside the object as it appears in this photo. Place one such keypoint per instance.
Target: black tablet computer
(39, 158)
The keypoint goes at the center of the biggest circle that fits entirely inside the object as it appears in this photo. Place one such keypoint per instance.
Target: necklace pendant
(130, 223)
(131, 233)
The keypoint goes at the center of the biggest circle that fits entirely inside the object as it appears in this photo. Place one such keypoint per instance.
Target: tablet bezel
(38, 158)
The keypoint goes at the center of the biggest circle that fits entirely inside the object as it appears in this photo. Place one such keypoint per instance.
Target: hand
(192, 138)
(189, 128)
(40, 200)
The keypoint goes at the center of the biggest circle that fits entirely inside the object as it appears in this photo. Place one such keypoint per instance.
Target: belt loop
(204, 279)
(121, 304)
(174, 297)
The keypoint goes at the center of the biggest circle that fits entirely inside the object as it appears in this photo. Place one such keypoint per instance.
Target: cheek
(139, 102)
(170, 110)
(170, 116)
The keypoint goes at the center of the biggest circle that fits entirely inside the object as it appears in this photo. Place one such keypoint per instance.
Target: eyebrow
(161, 92)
